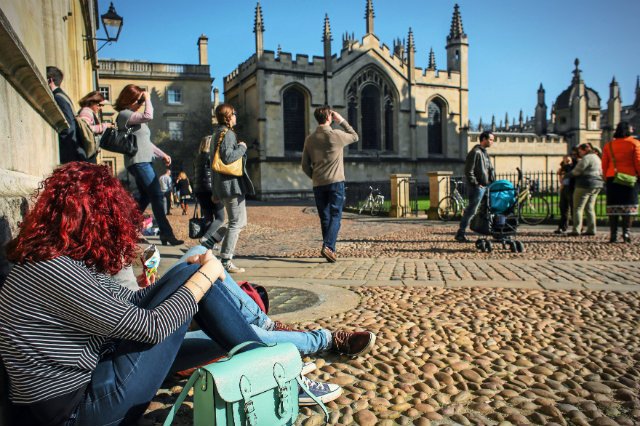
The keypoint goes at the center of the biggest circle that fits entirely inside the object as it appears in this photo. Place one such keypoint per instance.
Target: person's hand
(242, 144)
(336, 117)
(146, 95)
(108, 124)
(167, 160)
(143, 280)
(211, 266)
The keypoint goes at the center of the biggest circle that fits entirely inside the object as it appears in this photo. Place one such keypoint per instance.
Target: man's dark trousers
(330, 201)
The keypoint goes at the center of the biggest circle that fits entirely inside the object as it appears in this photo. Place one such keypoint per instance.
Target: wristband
(205, 275)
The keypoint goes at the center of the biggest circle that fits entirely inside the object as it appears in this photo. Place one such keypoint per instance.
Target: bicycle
(452, 206)
(374, 202)
(530, 211)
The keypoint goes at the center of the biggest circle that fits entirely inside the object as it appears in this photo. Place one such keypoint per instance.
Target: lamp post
(112, 23)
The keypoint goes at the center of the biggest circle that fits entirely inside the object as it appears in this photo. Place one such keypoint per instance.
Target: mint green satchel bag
(258, 387)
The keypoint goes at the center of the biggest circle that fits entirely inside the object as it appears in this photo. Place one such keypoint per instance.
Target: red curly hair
(83, 212)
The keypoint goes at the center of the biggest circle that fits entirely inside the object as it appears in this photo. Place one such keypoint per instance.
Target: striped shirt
(58, 318)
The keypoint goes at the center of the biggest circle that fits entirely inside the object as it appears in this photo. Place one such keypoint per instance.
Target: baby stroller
(496, 217)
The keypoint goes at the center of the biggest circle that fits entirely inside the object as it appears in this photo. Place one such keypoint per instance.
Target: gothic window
(434, 126)
(370, 100)
(294, 111)
(371, 110)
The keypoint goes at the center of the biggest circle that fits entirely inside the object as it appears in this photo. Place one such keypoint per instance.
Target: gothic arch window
(371, 110)
(436, 120)
(294, 110)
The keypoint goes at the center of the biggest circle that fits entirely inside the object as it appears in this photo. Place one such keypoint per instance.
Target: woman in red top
(622, 154)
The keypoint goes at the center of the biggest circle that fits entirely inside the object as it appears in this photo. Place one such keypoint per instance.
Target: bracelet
(201, 289)
(205, 275)
(193, 292)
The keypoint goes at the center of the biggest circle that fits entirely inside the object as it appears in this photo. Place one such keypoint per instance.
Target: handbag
(197, 225)
(231, 169)
(257, 387)
(119, 141)
(621, 178)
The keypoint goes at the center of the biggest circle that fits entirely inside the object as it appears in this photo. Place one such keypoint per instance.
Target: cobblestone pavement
(450, 350)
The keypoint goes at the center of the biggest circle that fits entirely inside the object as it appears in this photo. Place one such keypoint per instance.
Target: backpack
(86, 137)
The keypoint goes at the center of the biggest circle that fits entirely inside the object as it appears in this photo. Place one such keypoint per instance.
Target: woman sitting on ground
(84, 350)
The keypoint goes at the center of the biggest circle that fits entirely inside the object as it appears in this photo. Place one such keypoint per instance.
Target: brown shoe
(353, 343)
(280, 326)
(329, 254)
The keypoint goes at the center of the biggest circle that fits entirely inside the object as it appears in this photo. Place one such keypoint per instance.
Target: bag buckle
(249, 413)
(283, 395)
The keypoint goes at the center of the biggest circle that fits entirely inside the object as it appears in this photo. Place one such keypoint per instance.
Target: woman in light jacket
(230, 189)
(589, 183)
(622, 201)
(129, 101)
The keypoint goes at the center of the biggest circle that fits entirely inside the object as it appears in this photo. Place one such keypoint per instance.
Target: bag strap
(315, 398)
(185, 391)
(238, 348)
(195, 209)
(222, 135)
(613, 158)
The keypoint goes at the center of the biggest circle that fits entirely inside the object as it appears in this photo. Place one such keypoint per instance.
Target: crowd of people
(581, 177)
(88, 350)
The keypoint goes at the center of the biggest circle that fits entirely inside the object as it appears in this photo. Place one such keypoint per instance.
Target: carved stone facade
(410, 120)
(33, 35)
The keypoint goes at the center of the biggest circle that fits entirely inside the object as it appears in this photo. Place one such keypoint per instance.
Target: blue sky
(514, 45)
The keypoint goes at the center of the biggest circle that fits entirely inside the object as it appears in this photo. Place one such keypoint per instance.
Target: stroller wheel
(489, 247)
(519, 246)
(513, 247)
(480, 244)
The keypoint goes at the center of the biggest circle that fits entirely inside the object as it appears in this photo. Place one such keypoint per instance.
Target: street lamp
(112, 23)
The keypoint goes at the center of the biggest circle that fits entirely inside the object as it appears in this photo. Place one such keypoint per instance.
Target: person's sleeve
(348, 136)
(306, 161)
(142, 117)
(636, 157)
(606, 158)
(230, 150)
(67, 111)
(469, 167)
(96, 309)
(157, 152)
(579, 168)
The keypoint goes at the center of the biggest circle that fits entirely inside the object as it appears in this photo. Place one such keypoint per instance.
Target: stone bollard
(438, 185)
(399, 195)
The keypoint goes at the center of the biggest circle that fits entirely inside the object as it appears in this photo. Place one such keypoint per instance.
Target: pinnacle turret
(411, 47)
(432, 60)
(326, 35)
(258, 23)
(457, 31)
(369, 15)
(577, 76)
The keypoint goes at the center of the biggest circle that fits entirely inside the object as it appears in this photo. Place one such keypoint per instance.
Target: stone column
(438, 184)
(399, 195)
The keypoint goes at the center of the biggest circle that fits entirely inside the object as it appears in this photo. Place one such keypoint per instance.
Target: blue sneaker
(325, 392)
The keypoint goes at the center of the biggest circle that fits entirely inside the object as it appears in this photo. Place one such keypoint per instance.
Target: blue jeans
(123, 383)
(475, 194)
(329, 201)
(307, 342)
(150, 192)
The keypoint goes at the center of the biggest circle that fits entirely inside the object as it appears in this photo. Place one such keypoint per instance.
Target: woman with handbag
(212, 209)
(621, 167)
(129, 101)
(84, 350)
(90, 108)
(589, 183)
(230, 180)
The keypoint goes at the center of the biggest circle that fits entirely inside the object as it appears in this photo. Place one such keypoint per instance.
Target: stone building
(33, 35)
(181, 98)
(410, 119)
(616, 112)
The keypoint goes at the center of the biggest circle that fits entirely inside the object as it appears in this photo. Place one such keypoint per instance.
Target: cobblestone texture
(468, 355)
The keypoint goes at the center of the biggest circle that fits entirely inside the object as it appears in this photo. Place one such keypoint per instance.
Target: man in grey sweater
(323, 162)
(479, 173)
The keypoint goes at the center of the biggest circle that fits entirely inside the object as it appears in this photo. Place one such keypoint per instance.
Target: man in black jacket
(479, 173)
(69, 144)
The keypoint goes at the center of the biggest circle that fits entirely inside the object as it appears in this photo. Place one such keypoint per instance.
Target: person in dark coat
(212, 209)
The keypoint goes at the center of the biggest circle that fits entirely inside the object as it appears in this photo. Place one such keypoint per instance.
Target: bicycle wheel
(448, 208)
(375, 207)
(534, 211)
(363, 207)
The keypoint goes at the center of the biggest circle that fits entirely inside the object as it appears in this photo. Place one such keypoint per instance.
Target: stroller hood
(502, 196)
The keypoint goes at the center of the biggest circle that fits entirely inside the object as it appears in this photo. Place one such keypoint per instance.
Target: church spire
(432, 60)
(636, 103)
(326, 40)
(456, 31)
(258, 29)
(369, 15)
(411, 47)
